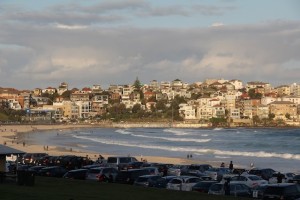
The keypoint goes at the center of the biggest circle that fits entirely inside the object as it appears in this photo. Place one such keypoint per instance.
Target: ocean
(277, 148)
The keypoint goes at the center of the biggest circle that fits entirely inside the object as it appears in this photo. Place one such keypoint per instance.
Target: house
(49, 90)
(63, 87)
(283, 108)
(80, 96)
(283, 90)
(237, 84)
(187, 112)
(204, 112)
(148, 95)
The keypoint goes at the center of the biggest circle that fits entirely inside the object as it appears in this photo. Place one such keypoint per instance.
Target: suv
(265, 173)
(120, 162)
(128, 177)
(283, 191)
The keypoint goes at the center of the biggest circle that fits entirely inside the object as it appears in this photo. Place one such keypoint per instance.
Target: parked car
(30, 158)
(79, 174)
(249, 180)
(177, 170)
(217, 173)
(258, 192)
(106, 174)
(203, 186)
(286, 177)
(163, 181)
(146, 180)
(53, 171)
(35, 169)
(128, 177)
(198, 169)
(153, 170)
(295, 179)
(162, 168)
(236, 189)
(283, 191)
(135, 165)
(265, 173)
(184, 183)
(119, 162)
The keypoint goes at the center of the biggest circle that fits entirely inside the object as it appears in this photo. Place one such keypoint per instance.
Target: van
(120, 162)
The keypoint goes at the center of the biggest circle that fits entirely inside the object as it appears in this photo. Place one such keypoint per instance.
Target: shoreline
(14, 135)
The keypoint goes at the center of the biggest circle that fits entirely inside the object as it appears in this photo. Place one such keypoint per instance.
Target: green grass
(64, 189)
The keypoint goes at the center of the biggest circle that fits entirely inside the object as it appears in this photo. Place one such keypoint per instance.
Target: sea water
(266, 147)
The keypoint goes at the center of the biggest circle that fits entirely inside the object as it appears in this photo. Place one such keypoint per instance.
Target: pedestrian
(222, 164)
(279, 177)
(188, 156)
(191, 156)
(231, 166)
(23, 144)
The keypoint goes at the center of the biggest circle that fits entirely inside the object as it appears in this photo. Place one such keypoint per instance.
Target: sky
(103, 42)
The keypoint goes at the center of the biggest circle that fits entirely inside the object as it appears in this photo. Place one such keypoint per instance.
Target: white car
(251, 181)
(183, 183)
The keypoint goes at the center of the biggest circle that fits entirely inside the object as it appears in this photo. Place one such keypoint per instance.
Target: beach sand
(11, 136)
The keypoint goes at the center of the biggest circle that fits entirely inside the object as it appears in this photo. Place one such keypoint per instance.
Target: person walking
(231, 166)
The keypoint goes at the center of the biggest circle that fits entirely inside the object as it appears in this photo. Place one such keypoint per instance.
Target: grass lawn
(65, 189)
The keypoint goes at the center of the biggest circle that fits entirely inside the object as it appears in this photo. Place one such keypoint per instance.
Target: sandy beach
(12, 136)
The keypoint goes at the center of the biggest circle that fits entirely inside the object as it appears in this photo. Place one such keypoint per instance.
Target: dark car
(283, 191)
(163, 181)
(236, 189)
(258, 192)
(128, 177)
(265, 173)
(134, 165)
(71, 162)
(79, 174)
(203, 186)
(53, 171)
(295, 179)
(35, 169)
(146, 180)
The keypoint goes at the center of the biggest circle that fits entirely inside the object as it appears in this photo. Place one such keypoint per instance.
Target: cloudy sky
(43, 43)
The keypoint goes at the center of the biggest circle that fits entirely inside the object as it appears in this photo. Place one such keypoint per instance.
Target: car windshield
(125, 160)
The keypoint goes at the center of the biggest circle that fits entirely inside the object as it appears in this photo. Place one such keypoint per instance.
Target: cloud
(38, 48)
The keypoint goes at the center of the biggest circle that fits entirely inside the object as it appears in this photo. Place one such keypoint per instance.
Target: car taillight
(100, 178)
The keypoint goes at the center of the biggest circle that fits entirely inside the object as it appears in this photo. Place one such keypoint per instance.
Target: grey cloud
(117, 55)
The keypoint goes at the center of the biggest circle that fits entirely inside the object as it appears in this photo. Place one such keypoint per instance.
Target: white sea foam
(174, 139)
(176, 131)
(123, 131)
(216, 152)
(218, 129)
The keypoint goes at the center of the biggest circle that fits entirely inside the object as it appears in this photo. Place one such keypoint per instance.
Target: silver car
(102, 174)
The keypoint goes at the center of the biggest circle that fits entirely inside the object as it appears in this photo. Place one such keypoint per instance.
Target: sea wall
(158, 125)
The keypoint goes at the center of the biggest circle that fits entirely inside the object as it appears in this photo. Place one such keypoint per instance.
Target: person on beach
(279, 177)
(222, 164)
(231, 166)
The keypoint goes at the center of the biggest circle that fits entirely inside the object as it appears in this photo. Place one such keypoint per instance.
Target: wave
(218, 129)
(260, 154)
(123, 131)
(176, 132)
(174, 139)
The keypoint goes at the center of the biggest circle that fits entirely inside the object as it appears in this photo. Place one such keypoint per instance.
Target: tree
(288, 115)
(66, 94)
(137, 84)
(161, 105)
(256, 119)
(271, 116)
(136, 108)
